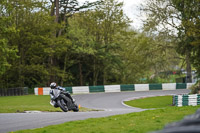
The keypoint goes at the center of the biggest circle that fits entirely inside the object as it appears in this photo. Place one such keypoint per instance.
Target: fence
(14, 91)
(186, 100)
(116, 88)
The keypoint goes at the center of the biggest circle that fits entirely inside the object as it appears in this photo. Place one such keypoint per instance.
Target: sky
(131, 9)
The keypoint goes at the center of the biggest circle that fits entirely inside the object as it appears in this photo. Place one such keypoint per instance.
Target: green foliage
(136, 55)
(32, 39)
(74, 47)
(189, 31)
(180, 20)
(93, 35)
(7, 52)
(164, 78)
(195, 89)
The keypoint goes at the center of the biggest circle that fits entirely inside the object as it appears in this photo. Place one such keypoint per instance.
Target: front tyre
(63, 107)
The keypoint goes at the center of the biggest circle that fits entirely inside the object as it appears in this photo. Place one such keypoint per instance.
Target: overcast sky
(131, 9)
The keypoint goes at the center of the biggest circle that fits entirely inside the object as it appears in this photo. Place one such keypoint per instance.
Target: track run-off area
(108, 104)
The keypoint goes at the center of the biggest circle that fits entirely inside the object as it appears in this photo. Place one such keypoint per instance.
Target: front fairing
(56, 93)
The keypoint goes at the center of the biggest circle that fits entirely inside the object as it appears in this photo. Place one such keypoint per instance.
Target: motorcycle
(61, 99)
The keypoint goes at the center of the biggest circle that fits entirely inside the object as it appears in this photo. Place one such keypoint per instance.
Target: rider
(53, 85)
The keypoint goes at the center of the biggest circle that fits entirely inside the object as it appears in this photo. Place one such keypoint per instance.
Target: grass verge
(17, 104)
(140, 122)
(151, 102)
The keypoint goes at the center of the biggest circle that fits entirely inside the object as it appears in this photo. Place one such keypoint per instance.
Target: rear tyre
(70, 104)
(76, 109)
(63, 107)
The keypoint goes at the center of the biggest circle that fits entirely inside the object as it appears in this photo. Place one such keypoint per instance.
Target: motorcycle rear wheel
(76, 109)
(64, 108)
(71, 105)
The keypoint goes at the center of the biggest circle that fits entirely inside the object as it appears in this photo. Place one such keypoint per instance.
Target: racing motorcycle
(62, 99)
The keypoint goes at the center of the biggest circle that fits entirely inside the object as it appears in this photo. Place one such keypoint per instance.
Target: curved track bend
(111, 103)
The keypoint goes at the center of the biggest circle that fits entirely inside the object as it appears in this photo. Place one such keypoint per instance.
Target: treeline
(72, 44)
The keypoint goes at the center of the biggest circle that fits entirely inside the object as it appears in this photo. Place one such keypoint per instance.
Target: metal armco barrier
(190, 124)
(116, 88)
(186, 100)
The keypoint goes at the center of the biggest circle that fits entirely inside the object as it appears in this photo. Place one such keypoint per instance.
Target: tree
(32, 38)
(110, 21)
(190, 12)
(63, 10)
(93, 35)
(164, 16)
(7, 30)
(7, 53)
(144, 56)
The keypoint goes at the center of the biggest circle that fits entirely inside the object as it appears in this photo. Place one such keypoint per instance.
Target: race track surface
(111, 103)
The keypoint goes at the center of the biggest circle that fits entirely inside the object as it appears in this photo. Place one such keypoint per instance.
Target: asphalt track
(109, 103)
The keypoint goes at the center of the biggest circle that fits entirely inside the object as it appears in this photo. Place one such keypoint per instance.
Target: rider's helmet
(53, 85)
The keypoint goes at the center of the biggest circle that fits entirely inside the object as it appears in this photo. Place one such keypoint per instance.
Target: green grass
(13, 104)
(140, 122)
(151, 102)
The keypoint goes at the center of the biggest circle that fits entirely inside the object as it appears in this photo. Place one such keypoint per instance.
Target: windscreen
(56, 92)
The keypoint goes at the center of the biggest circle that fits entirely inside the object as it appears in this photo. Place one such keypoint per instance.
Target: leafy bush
(195, 89)
(164, 79)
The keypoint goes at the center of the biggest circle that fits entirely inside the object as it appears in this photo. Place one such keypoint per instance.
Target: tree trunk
(52, 76)
(189, 71)
(57, 10)
(104, 77)
(53, 8)
(64, 68)
(80, 74)
(21, 66)
(95, 73)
